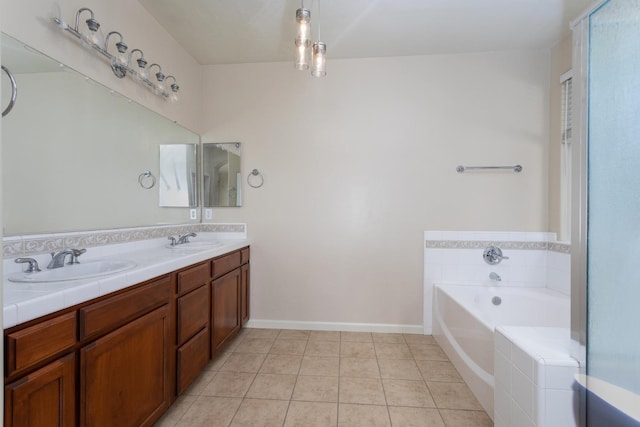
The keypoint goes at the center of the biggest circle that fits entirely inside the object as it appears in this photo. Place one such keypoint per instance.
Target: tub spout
(495, 276)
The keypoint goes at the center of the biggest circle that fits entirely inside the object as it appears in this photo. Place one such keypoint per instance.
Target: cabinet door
(244, 297)
(43, 398)
(124, 378)
(225, 309)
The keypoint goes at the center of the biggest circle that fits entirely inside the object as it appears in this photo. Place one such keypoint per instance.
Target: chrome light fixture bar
(121, 60)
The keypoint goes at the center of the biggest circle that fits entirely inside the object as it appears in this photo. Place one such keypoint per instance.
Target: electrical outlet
(208, 213)
(193, 214)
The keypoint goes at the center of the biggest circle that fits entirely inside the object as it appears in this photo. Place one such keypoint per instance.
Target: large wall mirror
(221, 175)
(73, 151)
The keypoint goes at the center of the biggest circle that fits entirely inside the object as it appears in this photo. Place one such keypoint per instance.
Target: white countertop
(26, 301)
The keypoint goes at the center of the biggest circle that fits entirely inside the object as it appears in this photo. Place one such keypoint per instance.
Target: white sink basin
(83, 270)
(198, 245)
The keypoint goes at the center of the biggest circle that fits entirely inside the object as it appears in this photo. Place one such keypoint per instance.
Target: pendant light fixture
(318, 59)
(303, 44)
(303, 37)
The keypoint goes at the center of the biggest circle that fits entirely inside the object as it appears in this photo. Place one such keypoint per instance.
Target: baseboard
(334, 326)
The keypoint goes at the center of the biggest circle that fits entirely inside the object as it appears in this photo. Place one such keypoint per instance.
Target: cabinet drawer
(36, 343)
(106, 315)
(193, 313)
(244, 255)
(226, 263)
(193, 277)
(192, 358)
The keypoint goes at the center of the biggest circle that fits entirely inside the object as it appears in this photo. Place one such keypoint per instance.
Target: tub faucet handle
(493, 255)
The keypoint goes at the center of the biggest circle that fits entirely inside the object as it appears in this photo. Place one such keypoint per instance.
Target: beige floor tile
(176, 411)
(322, 348)
(399, 369)
(269, 334)
(415, 417)
(199, 384)
(359, 368)
(312, 414)
(234, 343)
(436, 370)
(217, 362)
(388, 338)
(453, 396)
(254, 345)
(453, 418)
(367, 391)
(316, 389)
(393, 351)
(363, 416)
(285, 364)
(229, 384)
(324, 336)
(293, 334)
(288, 346)
(243, 362)
(363, 350)
(320, 365)
(428, 352)
(356, 337)
(210, 412)
(407, 393)
(260, 412)
(272, 386)
(419, 339)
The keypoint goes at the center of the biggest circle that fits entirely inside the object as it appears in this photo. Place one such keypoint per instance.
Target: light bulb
(301, 60)
(173, 95)
(319, 63)
(121, 59)
(303, 31)
(142, 72)
(94, 36)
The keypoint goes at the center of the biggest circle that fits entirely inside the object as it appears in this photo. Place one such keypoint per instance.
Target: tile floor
(269, 377)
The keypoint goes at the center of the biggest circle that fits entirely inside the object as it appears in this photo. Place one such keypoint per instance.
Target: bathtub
(464, 319)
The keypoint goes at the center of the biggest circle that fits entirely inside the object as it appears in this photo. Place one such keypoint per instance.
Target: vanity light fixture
(303, 42)
(121, 60)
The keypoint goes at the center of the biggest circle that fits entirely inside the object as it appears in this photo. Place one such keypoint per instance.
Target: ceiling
(245, 31)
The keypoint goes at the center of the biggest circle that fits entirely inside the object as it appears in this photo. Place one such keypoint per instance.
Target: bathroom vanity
(124, 357)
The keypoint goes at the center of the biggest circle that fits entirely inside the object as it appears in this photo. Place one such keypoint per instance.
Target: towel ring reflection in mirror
(257, 173)
(148, 184)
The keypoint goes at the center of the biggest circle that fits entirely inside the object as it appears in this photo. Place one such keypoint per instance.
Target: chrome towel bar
(461, 169)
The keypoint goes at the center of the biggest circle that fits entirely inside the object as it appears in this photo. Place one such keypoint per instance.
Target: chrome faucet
(493, 255)
(495, 276)
(185, 238)
(57, 259)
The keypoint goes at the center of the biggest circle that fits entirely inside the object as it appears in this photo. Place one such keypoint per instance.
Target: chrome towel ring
(143, 176)
(257, 173)
(14, 91)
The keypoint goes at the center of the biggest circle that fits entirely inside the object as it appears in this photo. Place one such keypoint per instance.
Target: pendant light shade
(319, 63)
(303, 38)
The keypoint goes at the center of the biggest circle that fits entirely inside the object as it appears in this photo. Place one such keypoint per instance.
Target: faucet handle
(75, 253)
(174, 240)
(32, 267)
(493, 255)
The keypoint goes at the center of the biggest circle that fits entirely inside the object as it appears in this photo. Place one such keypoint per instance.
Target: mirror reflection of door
(178, 175)
(221, 175)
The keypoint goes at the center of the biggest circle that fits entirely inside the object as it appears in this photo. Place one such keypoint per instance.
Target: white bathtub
(464, 319)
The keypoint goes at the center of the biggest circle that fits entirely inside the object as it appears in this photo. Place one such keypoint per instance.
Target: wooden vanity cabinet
(229, 297)
(192, 326)
(123, 358)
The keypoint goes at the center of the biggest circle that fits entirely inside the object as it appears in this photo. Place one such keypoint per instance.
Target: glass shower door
(613, 245)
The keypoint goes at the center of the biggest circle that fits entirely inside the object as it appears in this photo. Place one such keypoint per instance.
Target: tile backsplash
(16, 246)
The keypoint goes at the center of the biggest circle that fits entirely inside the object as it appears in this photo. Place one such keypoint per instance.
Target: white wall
(31, 22)
(358, 164)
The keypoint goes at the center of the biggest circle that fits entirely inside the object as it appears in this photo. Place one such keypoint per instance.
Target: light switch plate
(193, 214)
(208, 213)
